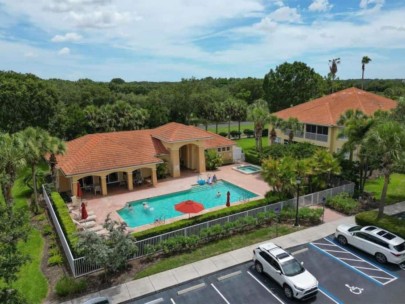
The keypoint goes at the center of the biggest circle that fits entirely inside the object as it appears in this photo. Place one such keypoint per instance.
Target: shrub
(253, 157)
(47, 229)
(235, 134)
(224, 134)
(62, 212)
(53, 251)
(343, 203)
(55, 260)
(162, 170)
(248, 132)
(387, 222)
(69, 286)
(265, 132)
(212, 160)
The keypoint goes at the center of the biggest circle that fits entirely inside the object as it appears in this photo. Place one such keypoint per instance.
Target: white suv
(383, 245)
(296, 281)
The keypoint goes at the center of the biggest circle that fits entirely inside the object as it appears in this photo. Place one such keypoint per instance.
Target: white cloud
(285, 14)
(378, 4)
(68, 37)
(60, 6)
(64, 51)
(100, 19)
(320, 6)
(266, 24)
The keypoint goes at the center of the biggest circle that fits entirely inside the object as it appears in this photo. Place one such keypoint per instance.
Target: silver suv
(296, 281)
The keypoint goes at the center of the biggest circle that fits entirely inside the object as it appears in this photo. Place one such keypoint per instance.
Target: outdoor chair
(97, 188)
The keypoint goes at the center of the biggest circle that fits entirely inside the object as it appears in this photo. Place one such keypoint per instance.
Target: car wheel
(380, 258)
(342, 240)
(288, 292)
(259, 267)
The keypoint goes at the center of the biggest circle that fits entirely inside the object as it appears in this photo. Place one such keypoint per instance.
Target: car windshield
(400, 247)
(292, 267)
(355, 228)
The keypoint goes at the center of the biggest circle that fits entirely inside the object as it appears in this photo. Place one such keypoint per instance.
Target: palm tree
(239, 112)
(323, 166)
(258, 112)
(37, 143)
(275, 122)
(355, 125)
(365, 60)
(292, 125)
(387, 141)
(11, 160)
(333, 69)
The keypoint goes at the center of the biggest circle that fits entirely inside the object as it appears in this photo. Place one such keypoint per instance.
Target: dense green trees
(63, 108)
(291, 84)
(13, 230)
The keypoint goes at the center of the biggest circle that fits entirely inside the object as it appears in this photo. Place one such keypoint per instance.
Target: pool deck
(104, 205)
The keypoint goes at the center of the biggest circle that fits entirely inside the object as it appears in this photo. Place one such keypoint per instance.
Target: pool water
(248, 169)
(162, 207)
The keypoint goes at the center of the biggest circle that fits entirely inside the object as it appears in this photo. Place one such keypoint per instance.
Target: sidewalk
(188, 272)
(194, 270)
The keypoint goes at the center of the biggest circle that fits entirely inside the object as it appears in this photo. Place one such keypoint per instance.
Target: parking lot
(345, 275)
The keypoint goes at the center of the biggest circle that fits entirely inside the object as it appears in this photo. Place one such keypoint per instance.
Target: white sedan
(383, 245)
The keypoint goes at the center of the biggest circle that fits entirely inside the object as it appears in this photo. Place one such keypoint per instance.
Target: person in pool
(218, 194)
(145, 206)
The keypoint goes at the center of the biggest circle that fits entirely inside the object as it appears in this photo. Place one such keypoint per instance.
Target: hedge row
(180, 244)
(65, 220)
(392, 224)
(204, 218)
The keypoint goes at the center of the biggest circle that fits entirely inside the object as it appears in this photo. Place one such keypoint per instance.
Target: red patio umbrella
(189, 206)
(84, 211)
(79, 190)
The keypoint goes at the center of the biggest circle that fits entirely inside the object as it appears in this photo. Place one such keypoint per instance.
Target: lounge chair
(84, 225)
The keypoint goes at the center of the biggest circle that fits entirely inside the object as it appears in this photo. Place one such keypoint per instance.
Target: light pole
(298, 182)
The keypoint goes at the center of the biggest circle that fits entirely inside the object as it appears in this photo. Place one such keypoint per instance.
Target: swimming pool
(248, 169)
(162, 207)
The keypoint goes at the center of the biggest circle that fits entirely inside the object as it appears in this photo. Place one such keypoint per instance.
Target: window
(228, 149)
(219, 149)
(311, 128)
(317, 129)
(223, 149)
(112, 178)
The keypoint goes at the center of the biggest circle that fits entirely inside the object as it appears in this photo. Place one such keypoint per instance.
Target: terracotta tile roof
(175, 132)
(104, 151)
(218, 141)
(327, 110)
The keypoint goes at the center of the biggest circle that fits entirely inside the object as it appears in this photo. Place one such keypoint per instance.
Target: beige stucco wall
(334, 144)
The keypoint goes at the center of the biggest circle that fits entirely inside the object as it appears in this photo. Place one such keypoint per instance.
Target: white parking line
(268, 290)
(389, 279)
(328, 296)
(222, 296)
(172, 301)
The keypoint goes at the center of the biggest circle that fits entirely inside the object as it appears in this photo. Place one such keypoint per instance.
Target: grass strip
(215, 248)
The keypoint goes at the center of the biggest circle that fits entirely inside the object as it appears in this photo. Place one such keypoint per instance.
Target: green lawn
(396, 188)
(250, 143)
(223, 127)
(215, 248)
(31, 281)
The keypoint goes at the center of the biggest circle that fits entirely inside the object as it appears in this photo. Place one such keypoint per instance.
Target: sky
(167, 40)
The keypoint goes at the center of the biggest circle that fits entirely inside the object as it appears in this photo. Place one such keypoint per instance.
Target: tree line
(69, 109)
